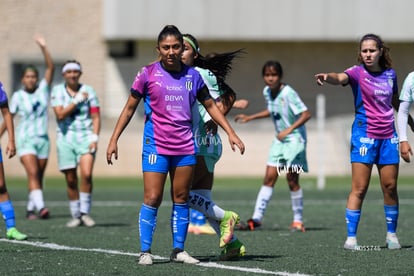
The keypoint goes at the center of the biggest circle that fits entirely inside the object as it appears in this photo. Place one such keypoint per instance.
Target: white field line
(312, 202)
(54, 246)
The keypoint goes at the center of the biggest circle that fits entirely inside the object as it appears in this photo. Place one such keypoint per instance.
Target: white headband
(71, 66)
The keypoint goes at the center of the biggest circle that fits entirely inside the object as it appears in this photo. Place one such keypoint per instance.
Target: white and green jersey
(31, 109)
(207, 144)
(77, 127)
(407, 91)
(285, 109)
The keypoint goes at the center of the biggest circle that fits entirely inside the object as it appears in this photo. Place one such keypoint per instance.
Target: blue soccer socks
(147, 222)
(7, 210)
(179, 224)
(352, 220)
(391, 217)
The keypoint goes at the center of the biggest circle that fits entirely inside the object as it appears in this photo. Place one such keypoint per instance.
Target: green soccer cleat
(232, 251)
(14, 234)
(227, 227)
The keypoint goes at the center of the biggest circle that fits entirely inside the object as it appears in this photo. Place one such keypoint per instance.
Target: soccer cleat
(74, 222)
(392, 241)
(251, 225)
(30, 215)
(14, 234)
(44, 213)
(201, 229)
(297, 226)
(351, 244)
(87, 221)
(145, 258)
(232, 251)
(182, 257)
(227, 225)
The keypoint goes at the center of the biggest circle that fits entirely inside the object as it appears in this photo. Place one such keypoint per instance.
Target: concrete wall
(72, 29)
(306, 37)
(263, 20)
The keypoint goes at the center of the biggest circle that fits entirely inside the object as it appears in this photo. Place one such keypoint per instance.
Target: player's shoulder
(87, 87)
(58, 89)
(206, 74)
(410, 77)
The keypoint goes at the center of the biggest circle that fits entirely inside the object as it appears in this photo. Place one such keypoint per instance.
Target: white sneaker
(87, 220)
(392, 241)
(183, 257)
(145, 258)
(351, 243)
(74, 222)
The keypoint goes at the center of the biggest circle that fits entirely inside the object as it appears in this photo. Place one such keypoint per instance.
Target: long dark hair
(385, 60)
(220, 64)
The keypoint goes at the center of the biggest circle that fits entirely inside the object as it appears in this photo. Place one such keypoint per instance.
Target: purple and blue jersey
(3, 95)
(168, 103)
(373, 94)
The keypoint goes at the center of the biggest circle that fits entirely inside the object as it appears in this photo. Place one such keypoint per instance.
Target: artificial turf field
(111, 248)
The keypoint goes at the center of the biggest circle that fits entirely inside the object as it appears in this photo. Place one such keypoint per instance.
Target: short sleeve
(296, 103)
(3, 95)
(139, 84)
(56, 99)
(408, 88)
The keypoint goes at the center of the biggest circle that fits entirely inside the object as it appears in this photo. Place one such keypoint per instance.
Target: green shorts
(69, 154)
(289, 155)
(211, 160)
(38, 145)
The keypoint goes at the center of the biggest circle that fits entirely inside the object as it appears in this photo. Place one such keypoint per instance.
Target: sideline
(54, 246)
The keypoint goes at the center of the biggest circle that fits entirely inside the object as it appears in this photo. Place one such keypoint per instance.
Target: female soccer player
(76, 107)
(287, 154)
(6, 206)
(169, 90)
(374, 139)
(406, 99)
(31, 104)
(209, 143)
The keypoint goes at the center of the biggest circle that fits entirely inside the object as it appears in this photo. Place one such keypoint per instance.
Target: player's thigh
(361, 176)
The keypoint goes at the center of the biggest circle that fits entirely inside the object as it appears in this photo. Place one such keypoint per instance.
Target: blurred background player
(31, 105)
(6, 206)
(76, 107)
(374, 139)
(287, 154)
(213, 69)
(169, 90)
(406, 99)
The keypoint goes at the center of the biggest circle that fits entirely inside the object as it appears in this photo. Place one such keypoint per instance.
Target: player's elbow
(306, 115)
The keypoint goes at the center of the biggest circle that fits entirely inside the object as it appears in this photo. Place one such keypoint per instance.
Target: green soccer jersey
(32, 112)
(207, 144)
(285, 109)
(76, 127)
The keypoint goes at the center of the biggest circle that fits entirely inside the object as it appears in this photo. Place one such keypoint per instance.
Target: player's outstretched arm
(243, 118)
